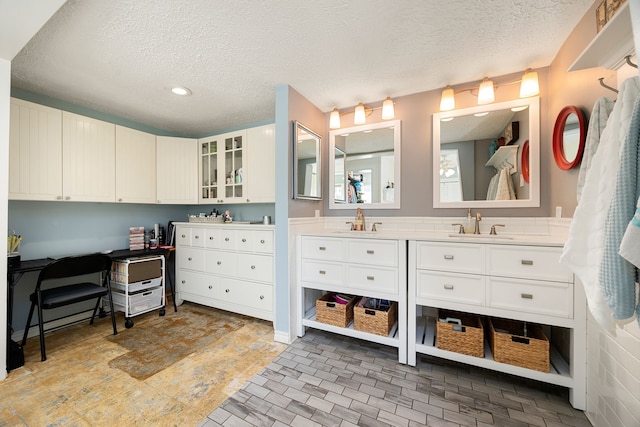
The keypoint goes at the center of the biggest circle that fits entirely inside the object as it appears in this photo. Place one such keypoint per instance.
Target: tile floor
(328, 380)
(319, 380)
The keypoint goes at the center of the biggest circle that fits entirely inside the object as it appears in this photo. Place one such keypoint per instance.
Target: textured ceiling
(120, 57)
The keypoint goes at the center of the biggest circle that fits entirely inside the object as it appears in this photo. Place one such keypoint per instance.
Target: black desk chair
(80, 290)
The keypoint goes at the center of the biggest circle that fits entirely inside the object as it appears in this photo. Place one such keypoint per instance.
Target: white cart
(137, 286)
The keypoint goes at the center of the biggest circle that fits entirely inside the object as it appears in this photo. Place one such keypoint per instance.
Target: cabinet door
(176, 165)
(209, 173)
(35, 152)
(88, 159)
(260, 173)
(135, 166)
(231, 163)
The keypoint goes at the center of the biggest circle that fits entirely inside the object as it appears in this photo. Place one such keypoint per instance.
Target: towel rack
(603, 84)
(628, 59)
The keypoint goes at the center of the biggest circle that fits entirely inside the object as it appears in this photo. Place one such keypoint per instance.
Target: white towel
(597, 122)
(630, 246)
(583, 250)
(505, 186)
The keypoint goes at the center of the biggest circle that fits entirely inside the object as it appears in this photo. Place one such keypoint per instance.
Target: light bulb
(359, 115)
(447, 100)
(334, 119)
(388, 112)
(485, 92)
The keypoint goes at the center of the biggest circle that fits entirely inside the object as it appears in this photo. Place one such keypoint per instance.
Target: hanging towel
(505, 186)
(617, 275)
(598, 120)
(493, 187)
(582, 252)
(630, 246)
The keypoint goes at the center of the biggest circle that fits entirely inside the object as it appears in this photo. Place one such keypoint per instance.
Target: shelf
(392, 340)
(505, 154)
(425, 339)
(610, 45)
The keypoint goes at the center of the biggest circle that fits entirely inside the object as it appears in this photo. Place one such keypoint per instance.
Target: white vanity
(508, 277)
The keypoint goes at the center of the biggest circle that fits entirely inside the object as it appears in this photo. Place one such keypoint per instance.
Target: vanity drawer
(458, 288)
(527, 262)
(456, 257)
(530, 296)
(370, 278)
(324, 248)
(322, 272)
(190, 258)
(373, 252)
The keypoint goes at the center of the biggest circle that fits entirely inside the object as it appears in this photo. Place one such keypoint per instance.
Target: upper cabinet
(238, 167)
(35, 152)
(135, 166)
(260, 174)
(176, 160)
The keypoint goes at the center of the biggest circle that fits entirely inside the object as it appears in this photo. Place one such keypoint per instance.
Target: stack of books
(136, 238)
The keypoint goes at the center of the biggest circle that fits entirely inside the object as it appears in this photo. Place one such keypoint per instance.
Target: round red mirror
(569, 134)
(524, 161)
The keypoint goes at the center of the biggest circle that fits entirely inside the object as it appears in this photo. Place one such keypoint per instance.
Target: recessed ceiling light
(182, 91)
(446, 119)
(484, 113)
(516, 109)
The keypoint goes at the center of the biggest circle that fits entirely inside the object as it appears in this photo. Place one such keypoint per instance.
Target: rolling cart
(137, 286)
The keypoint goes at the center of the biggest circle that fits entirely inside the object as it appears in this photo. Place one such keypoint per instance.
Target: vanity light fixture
(180, 90)
(361, 112)
(485, 91)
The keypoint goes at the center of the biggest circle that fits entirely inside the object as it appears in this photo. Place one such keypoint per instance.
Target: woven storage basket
(514, 348)
(374, 321)
(330, 312)
(460, 332)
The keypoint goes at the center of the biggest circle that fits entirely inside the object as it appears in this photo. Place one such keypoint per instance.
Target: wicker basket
(510, 345)
(330, 312)
(460, 332)
(374, 321)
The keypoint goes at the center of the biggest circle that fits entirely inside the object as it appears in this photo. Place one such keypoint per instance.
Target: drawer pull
(370, 278)
(226, 239)
(144, 294)
(526, 262)
(183, 236)
(261, 296)
(448, 287)
(183, 282)
(146, 282)
(244, 240)
(211, 238)
(190, 259)
(210, 286)
(196, 236)
(227, 290)
(253, 267)
(449, 257)
(219, 262)
(322, 248)
(262, 241)
(526, 296)
(322, 272)
(370, 251)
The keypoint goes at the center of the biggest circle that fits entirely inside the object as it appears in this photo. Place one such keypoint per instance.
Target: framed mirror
(364, 166)
(569, 135)
(477, 156)
(307, 179)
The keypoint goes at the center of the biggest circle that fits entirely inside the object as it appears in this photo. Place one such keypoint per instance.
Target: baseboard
(282, 337)
(33, 330)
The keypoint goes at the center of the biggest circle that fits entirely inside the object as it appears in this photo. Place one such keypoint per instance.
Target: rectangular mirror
(307, 180)
(480, 158)
(365, 166)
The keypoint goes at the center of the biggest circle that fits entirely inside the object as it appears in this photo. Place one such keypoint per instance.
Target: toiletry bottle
(468, 223)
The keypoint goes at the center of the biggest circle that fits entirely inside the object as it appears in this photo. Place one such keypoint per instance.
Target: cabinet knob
(120, 200)
(158, 201)
(253, 267)
(211, 238)
(190, 258)
(58, 197)
(322, 272)
(197, 237)
(67, 198)
(227, 290)
(226, 239)
(370, 252)
(261, 296)
(262, 241)
(183, 282)
(219, 263)
(448, 257)
(183, 236)
(244, 240)
(210, 286)
(526, 262)
(370, 278)
(322, 248)
(448, 287)
(526, 296)
(248, 201)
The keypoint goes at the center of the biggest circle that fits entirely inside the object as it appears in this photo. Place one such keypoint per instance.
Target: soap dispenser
(468, 224)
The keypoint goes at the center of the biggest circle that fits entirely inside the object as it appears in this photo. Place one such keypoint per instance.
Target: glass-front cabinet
(221, 168)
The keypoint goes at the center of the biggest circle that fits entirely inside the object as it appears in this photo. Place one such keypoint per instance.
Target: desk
(15, 272)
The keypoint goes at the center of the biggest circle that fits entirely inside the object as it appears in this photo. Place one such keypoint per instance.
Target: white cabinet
(520, 282)
(35, 152)
(135, 166)
(364, 267)
(226, 266)
(88, 159)
(260, 173)
(238, 167)
(176, 163)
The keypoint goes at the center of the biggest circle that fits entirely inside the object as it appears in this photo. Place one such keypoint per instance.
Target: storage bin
(137, 286)
(460, 332)
(333, 313)
(140, 270)
(140, 301)
(512, 344)
(378, 322)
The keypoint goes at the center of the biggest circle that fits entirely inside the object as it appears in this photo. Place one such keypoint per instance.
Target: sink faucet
(478, 219)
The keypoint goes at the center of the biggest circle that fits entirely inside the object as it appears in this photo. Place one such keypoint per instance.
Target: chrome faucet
(373, 228)
(478, 219)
